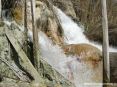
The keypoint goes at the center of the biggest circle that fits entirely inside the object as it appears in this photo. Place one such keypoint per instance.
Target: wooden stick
(0, 9)
(25, 26)
(25, 14)
(106, 60)
(35, 37)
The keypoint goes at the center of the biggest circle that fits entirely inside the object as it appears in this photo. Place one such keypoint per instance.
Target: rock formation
(84, 52)
(89, 55)
(87, 12)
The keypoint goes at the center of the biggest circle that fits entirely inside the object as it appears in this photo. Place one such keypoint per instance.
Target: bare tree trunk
(25, 26)
(105, 40)
(0, 9)
(35, 37)
(25, 14)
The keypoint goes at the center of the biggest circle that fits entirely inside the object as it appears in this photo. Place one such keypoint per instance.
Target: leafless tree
(105, 39)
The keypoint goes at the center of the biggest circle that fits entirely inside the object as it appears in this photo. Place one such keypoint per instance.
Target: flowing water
(77, 72)
(73, 33)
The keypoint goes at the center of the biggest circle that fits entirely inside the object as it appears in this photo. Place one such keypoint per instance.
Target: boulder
(85, 53)
(89, 59)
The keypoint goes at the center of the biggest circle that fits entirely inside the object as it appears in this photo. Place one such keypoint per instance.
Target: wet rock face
(47, 22)
(84, 52)
(88, 12)
(90, 57)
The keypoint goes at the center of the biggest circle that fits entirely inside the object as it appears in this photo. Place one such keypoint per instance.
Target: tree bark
(35, 37)
(0, 9)
(106, 60)
(25, 27)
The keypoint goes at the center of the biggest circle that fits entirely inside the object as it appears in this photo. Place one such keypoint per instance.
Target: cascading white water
(73, 33)
(76, 71)
(68, 65)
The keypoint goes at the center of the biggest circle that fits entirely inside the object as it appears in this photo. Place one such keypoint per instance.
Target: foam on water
(76, 71)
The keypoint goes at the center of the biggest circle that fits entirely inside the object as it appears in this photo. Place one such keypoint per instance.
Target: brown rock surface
(89, 56)
(84, 52)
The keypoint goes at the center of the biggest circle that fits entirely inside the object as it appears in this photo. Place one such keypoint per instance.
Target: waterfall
(76, 71)
(73, 33)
